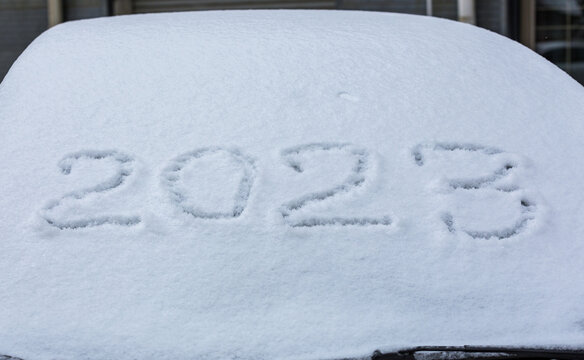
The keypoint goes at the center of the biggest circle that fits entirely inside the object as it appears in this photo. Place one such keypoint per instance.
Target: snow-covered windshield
(286, 185)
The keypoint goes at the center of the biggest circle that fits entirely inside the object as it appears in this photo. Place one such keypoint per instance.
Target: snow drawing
(7, 357)
(171, 179)
(355, 179)
(124, 170)
(491, 182)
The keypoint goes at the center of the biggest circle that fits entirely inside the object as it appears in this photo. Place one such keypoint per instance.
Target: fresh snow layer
(286, 185)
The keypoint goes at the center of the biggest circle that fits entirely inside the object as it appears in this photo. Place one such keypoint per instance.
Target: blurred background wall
(553, 28)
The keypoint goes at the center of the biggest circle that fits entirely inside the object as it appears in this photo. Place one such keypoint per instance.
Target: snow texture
(286, 185)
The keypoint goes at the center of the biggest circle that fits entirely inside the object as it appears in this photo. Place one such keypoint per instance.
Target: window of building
(559, 34)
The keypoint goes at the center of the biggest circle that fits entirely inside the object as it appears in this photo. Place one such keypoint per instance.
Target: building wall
(401, 6)
(492, 15)
(20, 22)
(84, 9)
(150, 6)
(440, 8)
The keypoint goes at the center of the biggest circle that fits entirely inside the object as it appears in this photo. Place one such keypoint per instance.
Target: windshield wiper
(479, 352)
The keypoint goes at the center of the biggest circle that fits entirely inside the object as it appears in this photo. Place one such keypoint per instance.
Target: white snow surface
(286, 185)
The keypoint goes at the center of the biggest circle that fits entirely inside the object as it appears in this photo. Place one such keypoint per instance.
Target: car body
(287, 185)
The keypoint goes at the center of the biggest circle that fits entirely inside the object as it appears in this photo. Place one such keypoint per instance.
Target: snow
(286, 185)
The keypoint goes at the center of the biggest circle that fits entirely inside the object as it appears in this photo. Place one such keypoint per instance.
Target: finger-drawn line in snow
(172, 175)
(446, 146)
(355, 179)
(472, 183)
(485, 181)
(124, 170)
(528, 207)
(8, 357)
(527, 214)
